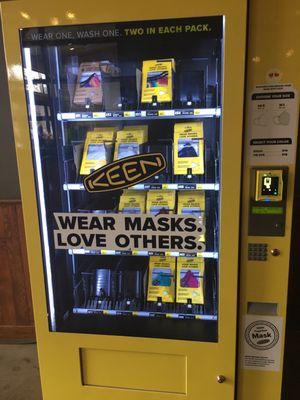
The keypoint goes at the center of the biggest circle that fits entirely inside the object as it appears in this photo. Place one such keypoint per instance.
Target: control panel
(268, 201)
(269, 185)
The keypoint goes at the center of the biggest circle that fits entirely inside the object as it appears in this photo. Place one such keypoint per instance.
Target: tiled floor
(19, 373)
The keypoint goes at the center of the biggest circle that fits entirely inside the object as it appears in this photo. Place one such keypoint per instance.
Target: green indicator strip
(267, 210)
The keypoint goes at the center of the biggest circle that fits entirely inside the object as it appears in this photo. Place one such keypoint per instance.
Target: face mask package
(132, 202)
(192, 202)
(89, 88)
(161, 202)
(97, 149)
(161, 279)
(189, 280)
(157, 81)
(188, 149)
(129, 141)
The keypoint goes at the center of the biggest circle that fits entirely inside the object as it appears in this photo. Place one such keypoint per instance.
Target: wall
(9, 181)
(16, 316)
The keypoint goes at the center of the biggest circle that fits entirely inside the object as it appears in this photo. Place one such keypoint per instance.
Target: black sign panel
(125, 172)
(204, 27)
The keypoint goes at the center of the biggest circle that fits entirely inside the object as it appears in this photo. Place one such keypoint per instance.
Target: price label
(166, 113)
(187, 112)
(98, 115)
(152, 113)
(128, 114)
(117, 114)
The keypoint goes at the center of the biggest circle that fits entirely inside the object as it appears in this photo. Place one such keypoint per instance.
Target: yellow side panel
(273, 43)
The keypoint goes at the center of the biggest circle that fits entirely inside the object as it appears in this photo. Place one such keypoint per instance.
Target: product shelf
(147, 314)
(156, 186)
(139, 114)
(202, 254)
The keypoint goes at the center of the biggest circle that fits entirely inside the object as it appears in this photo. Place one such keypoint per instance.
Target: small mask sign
(125, 172)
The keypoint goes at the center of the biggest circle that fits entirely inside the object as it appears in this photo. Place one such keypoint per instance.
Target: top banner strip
(204, 27)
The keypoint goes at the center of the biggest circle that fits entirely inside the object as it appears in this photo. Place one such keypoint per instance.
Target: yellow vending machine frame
(90, 366)
(272, 65)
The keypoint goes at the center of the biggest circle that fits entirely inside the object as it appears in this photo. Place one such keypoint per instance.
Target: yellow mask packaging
(157, 80)
(161, 201)
(188, 148)
(97, 150)
(128, 143)
(161, 279)
(132, 202)
(89, 84)
(189, 280)
(112, 129)
(143, 128)
(192, 202)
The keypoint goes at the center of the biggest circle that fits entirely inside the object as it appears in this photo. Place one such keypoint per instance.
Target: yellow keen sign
(125, 172)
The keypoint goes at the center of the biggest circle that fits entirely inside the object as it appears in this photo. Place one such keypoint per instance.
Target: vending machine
(128, 122)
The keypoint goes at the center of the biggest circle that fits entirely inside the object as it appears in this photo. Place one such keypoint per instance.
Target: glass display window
(138, 258)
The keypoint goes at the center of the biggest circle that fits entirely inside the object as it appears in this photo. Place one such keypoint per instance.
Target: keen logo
(125, 172)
